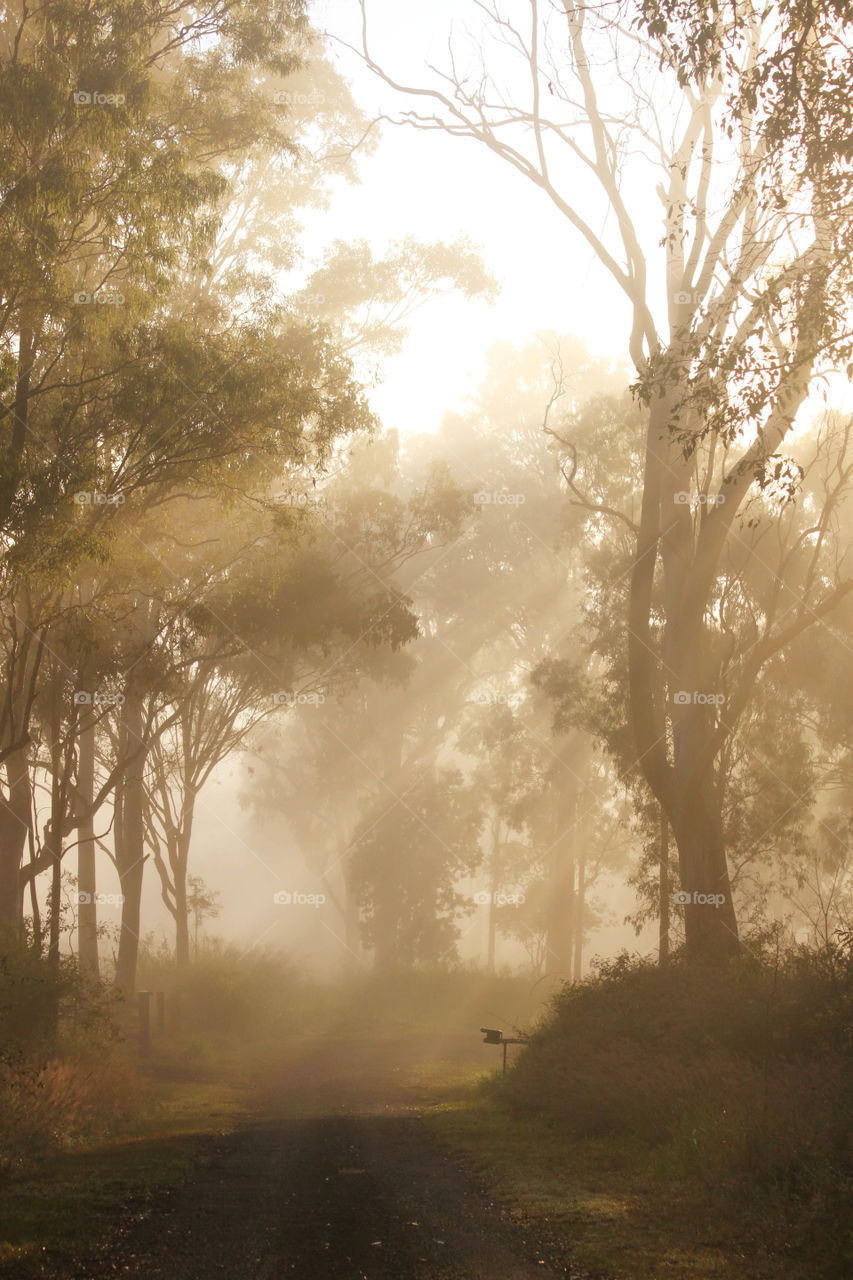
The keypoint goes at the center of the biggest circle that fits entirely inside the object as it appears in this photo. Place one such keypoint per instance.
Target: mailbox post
(491, 1035)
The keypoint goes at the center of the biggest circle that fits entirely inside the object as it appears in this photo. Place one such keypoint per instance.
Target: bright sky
(434, 187)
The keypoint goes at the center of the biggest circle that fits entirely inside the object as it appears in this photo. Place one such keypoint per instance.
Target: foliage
(405, 863)
(736, 1079)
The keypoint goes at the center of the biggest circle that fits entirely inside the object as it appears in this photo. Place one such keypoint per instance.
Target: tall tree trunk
(182, 924)
(87, 907)
(179, 871)
(54, 828)
(15, 819)
(664, 889)
(352, 933)
(685, 787)
(710, 925)
(130, 839)
(580, 902)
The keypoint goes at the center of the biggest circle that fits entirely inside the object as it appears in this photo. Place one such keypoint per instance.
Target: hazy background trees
(499, 691)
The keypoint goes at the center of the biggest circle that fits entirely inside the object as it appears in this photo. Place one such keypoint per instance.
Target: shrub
(225, 993)
(68, 1100)
(738, 1083)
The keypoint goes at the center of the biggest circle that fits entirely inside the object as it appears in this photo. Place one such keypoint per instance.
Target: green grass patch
(601, 1198)
(71, 1206)
(682, 1122)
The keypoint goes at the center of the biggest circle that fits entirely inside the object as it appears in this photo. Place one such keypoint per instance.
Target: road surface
(335, 1178)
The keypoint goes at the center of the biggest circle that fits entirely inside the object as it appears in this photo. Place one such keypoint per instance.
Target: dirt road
(335, 1177)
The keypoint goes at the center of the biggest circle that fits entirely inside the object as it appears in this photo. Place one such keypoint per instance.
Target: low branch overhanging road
(335, 1176)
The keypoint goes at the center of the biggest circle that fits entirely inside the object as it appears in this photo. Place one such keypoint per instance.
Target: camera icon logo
(82, 298)
(681, 697)
(82, 698)
(282, 898)
(482, 898)
(82, 98)
(681, 898)
(482, 499)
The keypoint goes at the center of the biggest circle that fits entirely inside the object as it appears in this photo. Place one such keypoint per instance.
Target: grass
(70, 1207)
(661, 1150)
(75, 1173)
(682, 1122)
(616, 1215)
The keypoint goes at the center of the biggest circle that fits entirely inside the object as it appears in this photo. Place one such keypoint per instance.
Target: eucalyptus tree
(125, 139)
(116, 121)
(491, 600)
(717, 137)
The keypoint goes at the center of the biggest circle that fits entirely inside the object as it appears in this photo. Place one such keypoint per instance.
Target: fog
(489, 331)
(426, 611)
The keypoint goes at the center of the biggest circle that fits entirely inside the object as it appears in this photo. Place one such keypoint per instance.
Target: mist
(426, 588)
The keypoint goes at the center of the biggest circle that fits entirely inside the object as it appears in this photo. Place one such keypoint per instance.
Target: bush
(738, 1083)
(637, 1047)
(63, 1080)
(73, 1098)
(225, 994)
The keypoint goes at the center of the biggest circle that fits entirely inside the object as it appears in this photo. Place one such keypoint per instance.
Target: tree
(202, 904)
(492, 599)
(90, 251)
(405, 866)
(745, 144)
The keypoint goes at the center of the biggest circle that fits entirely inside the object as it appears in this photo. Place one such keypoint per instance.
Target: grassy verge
(73, 1205)
(605, 1200)
(683, 1122)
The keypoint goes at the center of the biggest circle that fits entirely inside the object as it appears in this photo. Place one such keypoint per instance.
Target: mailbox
(492, 1036)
